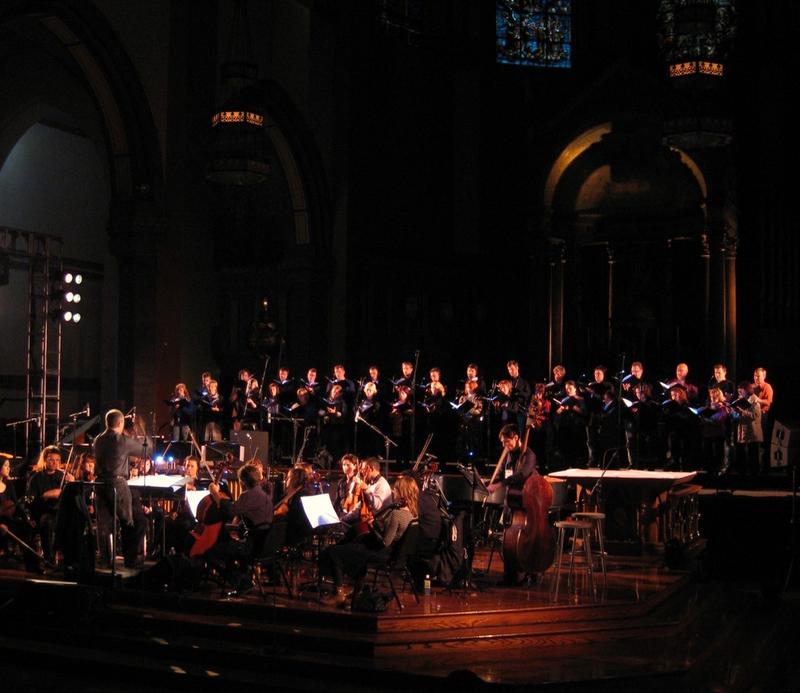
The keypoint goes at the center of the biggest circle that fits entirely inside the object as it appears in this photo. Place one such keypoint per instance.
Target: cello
(210, 518)
(529, 541)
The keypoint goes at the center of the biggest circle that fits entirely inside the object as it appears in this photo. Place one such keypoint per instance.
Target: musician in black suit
(347, 386)
(112, 449)
(334, 417)
(520, 393)
(517, 467)
(570, 419)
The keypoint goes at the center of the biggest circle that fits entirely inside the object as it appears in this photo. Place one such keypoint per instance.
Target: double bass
(529, 541)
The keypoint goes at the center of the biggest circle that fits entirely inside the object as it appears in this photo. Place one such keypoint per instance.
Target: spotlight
(76, 298)
(76, 317)
(68, 278)
(79, 279)
(69, 296)
(67, 316)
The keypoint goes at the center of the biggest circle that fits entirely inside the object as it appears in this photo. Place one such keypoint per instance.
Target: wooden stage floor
(634, 629)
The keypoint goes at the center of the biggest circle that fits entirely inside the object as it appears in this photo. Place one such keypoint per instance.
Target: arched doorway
(627, 218)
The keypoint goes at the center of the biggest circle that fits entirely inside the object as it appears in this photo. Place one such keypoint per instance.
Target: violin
(353, 494)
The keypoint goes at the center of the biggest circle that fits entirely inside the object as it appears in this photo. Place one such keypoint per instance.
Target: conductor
(112, 449)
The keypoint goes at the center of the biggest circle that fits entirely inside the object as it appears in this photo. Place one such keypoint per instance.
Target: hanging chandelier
(238, 125)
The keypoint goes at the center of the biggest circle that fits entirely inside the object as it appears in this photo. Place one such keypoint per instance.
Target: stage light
(76, 317)
(79, 279)
(76, 298)
(68, 278)
(67, 316)
(69, 296)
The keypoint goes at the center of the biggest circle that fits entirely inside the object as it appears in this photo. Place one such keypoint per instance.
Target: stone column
(705, 257)
(135, 239)
(729, 244)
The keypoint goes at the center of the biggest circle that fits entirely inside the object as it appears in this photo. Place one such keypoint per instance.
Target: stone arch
(133, 149)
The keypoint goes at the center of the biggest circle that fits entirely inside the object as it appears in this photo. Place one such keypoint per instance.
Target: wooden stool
(597, 520)
(579, 528)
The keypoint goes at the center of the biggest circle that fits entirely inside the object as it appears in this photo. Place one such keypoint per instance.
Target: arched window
(537, 33)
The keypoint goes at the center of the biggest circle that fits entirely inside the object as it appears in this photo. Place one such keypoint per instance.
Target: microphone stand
(620, 405)
(14, 424)
(261, 392)
(414, 404)
(387, 441)
(598, 485)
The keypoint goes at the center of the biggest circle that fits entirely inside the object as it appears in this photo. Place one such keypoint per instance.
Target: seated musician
(351, 558)
(44, 487)
(14, 518)
(345, 498)
(254, 508)
(373, 490)
(516, 468)
(291, 508)
(175, 527)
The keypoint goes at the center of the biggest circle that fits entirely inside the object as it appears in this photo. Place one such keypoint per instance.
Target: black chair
(268, 546)
(396, 563)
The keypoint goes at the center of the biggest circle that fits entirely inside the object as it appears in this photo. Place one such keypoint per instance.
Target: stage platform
(498, 634)
(656, 627)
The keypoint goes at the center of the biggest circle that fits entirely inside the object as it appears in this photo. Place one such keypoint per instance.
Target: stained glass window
(534, 32)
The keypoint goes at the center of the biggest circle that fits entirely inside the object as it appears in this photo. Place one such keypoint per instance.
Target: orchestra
(608, 421)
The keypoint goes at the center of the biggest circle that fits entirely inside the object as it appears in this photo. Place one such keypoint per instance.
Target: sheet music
(193, 499)
(170, 481)
(319, 510)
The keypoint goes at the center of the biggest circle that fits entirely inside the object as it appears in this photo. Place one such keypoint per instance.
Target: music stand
(475, 482)
(319, 512)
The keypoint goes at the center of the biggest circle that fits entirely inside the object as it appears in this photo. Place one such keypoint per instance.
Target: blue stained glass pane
(537, 33)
